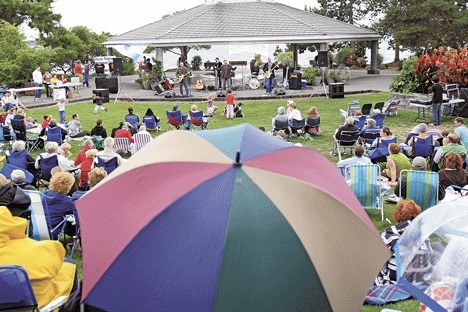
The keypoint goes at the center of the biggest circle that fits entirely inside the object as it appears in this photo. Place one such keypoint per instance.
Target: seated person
(51, 149)
(74, 128)
(10, 115)
(358, 159)
(381, 155)
(205, 120)
(87, 145)
(18, 177)
(108, 152)
(58, 202)
(50, 276)
(64, 150)
(396, 162)
(280, 117)
(348, 126)
(31, 123)
(405, 212)
(46, 121)
(99, 130)
(53, 124)
(415, 132)
(16, 149)
(419, 163)
(124, 132)
(452, 146)
(132, 118)
(422, 128)
(6, 101)
(175, 108)
(94, 177)
(15, 100)
(370, 127)
(149, 115)
(238, 110)
(13, 197)
(453, 174)
(293, 112)
(114, 130)
(86, 166)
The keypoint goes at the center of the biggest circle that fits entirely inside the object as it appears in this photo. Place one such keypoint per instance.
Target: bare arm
(392, 167)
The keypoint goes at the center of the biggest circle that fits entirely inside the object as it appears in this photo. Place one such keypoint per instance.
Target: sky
(117, 18)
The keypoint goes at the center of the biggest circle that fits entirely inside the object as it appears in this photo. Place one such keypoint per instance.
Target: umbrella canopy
(230, 220)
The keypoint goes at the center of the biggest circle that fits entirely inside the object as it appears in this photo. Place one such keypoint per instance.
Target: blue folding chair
(39, 218)
(360, 121)
(8, 168)
(174, 120)
(109, 165)
(313, 125)
(150, 122)
(422, 147)
(364, 181)
(379, 119)
(16, 292)
(297, 126)
(54, 134)
(17, 159)
(422, 187)
(196, 120)
(133, 120)
(381, 150)
(45, 167)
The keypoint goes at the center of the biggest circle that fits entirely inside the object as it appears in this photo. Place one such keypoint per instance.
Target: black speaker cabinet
(101, 82)
(113, 84)
(336, 90)
(294, 83)
(104, 93)
(322, 60)
(118, 67)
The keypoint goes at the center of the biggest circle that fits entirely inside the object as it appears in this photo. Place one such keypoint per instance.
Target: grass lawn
(259, 113)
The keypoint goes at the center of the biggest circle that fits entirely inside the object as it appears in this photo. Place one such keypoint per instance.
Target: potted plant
(139, 81)
(309, 74)
(146, 82)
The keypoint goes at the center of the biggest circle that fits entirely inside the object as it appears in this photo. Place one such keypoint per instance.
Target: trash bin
(303, 84)
(336, 90)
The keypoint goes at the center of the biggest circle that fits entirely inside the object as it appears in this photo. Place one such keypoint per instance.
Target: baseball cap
(419, 163)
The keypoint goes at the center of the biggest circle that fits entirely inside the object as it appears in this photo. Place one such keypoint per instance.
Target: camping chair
(422, 187)
(313, 126)
(392, 108)
(297, 126)
(98, 142)
(7, 134)
(19, 128)
(54, 134)
(347, 139)
(378, 106)
(379, 119)
(380, 152)
(123, 143)
(17, 159)
(8, 168)
(366, 109)
(367, 138)
(174, 120)
(45, 167)
(197, 121)
(282, 125)
(422, 147)
(365, 184)
(360, 121)
(132, 120)
(39, 218)
(109, 165)
(141, 139)
(17, 294)
(353, 107)
(151, 123)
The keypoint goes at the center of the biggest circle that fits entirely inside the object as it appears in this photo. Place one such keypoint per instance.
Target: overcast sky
(118, 17)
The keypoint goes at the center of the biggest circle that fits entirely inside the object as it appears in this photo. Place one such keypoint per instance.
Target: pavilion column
(159, 56)
(184, 52)
(374, 53)
(109, 51)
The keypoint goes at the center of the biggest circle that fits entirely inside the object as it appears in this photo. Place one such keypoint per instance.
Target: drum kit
(256, 82)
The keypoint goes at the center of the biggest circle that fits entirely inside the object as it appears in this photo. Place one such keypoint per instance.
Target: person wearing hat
(269, 70)
(132, 118)
(418, 163)
(13, 197)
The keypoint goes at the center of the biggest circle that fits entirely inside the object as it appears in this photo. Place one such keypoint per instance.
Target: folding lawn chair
(174, 120)
(297, 126)
(378, 107)
(54, 134)
(313, 126)
(422, 187)
(379, 120)
(141, 139)
(19, 128)
(45, 167)
(347, 139)
(197, 120)
(281, 125)
(133, 120)
(422, 147)
(360, 121)
(392, 108)
(366, 109)
(353, 107)
(364, 181)
(109, 165)
(39, 218)
(123, 143)
(8, 168)
(17, 159)
(151, 123)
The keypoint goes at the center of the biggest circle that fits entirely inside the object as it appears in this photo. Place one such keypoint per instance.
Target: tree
(35, 14)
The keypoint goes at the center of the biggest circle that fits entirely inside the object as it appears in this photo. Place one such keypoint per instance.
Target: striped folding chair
(141, 139)
(122, 143)
(422, 187)
(364, 181)
(39, 218)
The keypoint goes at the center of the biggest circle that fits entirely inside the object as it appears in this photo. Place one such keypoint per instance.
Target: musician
(269, 70)
(182, 76)
(226, 71)
(254, 68)
(217, 69)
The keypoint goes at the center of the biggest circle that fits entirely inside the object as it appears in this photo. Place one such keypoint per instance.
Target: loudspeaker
(101, 82)
(210, 88)
(169, 94)
(104, 93)
(118, 67)
(280, 91)
(221, 93)
(159, 89)
(322, 60)
(336, 90)
(99, 68)
(113, 84)
(295, 83)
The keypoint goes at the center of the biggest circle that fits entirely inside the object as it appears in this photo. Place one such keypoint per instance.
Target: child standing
(61, 106)
(99, 103)
(210, 107)
(230, 101)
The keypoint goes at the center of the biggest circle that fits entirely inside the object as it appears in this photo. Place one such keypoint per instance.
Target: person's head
(269, 59)
(225, 61)
(312, 111)
(130, 110)
(12, 111)
(371, 122)
(47, 117)
(175, 106)
(62, 100)
(435, 78)
(459, 121)
(95, 176)
(181, 64)
(453, 138)
(385, 131)
(61, 182)
(99, 122)
(55, 170)
(418, 163)
(18, 146)
(445, 133)
(394, 148)
(229, 90)
(108, 142)
(6, 94)
(422, 127)
(281, 110)
(91, 152)
(65, 146)
(51, 147)
(88, 143)
(291, 104)
(3, 180)
(125, 127)
(149, 112)
(350, 120)
(359, 151)
(194, 108)
(38, 68)
(281, 134)
(54, 76)
(142, 128)
(406, 210)
(212, 96)
(358, 113)
(17, 176)
(217, 59)
(53, 123)
(453, 161)
(76, 116)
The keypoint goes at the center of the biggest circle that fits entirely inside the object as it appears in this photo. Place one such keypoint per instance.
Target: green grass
(259, 113)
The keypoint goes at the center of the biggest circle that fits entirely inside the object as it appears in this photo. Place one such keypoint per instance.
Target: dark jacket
(99, 131)
(15, 199)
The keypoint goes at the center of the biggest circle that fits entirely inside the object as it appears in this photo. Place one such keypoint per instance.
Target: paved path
(359, 82)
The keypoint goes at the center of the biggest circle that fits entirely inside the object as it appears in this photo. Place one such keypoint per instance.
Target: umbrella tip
(237, 163)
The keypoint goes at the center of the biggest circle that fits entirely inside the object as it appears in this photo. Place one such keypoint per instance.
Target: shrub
(309, 74)
(196, 62)
(341, 56)
(406, 82)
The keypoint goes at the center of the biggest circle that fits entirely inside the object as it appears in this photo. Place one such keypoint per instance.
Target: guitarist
(226, 71)
(269, 70)
(182, 77)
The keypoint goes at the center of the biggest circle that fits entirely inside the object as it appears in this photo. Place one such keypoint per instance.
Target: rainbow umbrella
(228, 220)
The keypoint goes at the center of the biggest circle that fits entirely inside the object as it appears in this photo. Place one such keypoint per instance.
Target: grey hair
(422, 127)
(281, 110)
(18, 146)
(371, 122)
(109, 142)
(51, 147)
(17, 176)
(350, 120)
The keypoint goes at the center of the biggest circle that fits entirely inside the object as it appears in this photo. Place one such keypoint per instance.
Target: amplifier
(295, 83)
(208, 65)
(101, 82)
(113, 84)
(238, 63)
